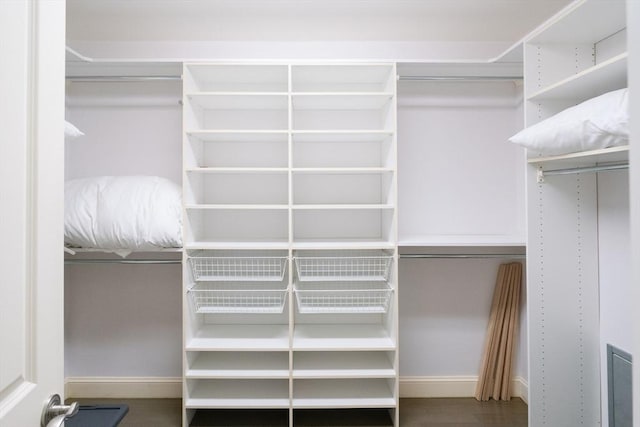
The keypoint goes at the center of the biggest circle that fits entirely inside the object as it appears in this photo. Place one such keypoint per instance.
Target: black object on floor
(98, 416)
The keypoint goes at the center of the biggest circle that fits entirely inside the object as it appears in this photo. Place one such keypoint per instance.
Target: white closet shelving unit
(577, 55)
(290, 234)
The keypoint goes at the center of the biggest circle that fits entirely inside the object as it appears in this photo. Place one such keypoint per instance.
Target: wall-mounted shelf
(583, 159)
(603, 77)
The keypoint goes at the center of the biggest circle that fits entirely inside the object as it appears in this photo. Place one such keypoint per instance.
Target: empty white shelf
(584, 158)
(345, 136)
(214, 136)
(320, 337)
(237, 244)
(238, 170)
(228, 364)
(212, 337)
(341, 78)
(337, 243)
(340, 101)
(237, 77)
(369, 393)
(239, 101)
(194, 207)
(356, 364)
(601, 78)
(238, 394)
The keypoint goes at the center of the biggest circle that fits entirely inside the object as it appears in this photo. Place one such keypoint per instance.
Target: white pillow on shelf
(123, 213)
(597, 123)
(70, 131)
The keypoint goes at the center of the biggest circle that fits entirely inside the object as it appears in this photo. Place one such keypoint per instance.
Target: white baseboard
(458, 386)
(170, 387)
(123, 387)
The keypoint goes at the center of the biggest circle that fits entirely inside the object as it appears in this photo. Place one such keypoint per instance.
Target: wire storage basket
(209, 298)
(353, 297)
(365, 267)
(237, 268)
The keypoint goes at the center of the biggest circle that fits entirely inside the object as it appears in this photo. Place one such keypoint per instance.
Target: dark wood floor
(463, 412)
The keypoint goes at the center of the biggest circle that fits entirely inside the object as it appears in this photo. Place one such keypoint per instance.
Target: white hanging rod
(461, 256)
(122, 78)
(568, 171)
(458, 78)
(122, 261)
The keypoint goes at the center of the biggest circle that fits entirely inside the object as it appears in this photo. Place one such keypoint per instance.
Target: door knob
(54, 413)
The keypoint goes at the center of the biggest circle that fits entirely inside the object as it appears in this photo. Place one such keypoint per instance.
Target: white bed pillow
(123, 213)
(70, 131)
(597, 123)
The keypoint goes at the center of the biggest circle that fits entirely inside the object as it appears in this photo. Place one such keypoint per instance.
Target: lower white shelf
(260, 337)
(231, 364)
(229, 394)
(368, 393)
(342, 336)
(343, 364)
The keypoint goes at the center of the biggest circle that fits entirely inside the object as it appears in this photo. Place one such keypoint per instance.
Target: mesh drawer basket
(358, 297)
(346, 268)
(230, 299)
(214, 268)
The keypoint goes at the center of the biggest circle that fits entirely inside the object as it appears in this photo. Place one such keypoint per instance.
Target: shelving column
(236, 239)
(344, 239)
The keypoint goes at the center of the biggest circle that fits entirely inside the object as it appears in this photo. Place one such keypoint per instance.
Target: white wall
(444, 312)
(616, 304)
(123, 320)
(130, 129)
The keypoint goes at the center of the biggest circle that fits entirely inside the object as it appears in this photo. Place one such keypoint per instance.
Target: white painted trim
(123, 387)
(453, 386)
(170, 387)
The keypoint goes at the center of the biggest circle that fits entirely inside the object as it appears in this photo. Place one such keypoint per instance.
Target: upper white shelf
(306, 244)
(345, 170)
(587, 21)
(240, 101)
(342, 78)
(237, 77)
(237, 244)
(585, 158)
(340, 101)
(236, 170)
(462, 243)
(323, 136)
(601, 78)
(239, 136)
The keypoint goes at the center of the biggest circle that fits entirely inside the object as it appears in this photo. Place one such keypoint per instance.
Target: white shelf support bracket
(540, 176)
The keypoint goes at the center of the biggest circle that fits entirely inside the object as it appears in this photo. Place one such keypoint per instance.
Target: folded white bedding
(122, 214)
(594, 124)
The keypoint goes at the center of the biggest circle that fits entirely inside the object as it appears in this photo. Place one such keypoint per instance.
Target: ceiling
(306, 20)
